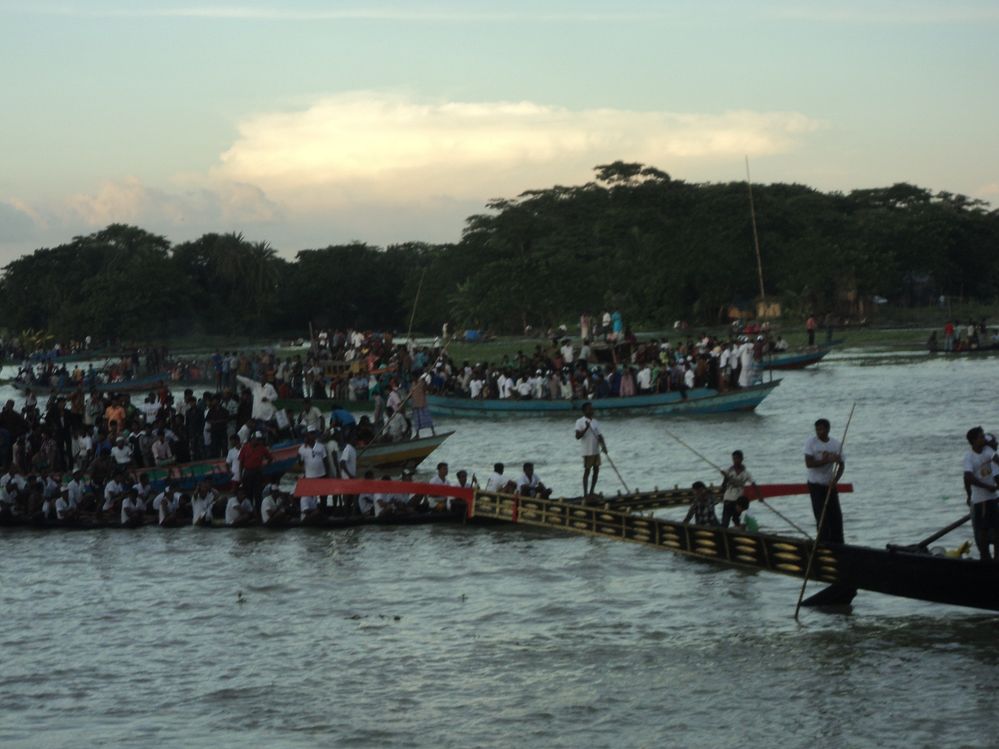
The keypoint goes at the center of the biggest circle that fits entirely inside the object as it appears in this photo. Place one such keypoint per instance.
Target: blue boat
(795, 359)
(697, 402)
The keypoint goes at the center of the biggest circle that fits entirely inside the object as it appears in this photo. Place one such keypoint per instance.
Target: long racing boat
(695, 402)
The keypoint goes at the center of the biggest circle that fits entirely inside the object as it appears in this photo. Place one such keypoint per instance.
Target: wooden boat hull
(698, 402)
(798, 360)
(380, 457)
(127, 386)
(845, 567)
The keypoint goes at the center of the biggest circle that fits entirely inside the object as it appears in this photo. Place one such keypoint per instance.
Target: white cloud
(131, 201)
(389, 146)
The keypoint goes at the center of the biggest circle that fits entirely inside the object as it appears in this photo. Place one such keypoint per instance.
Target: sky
(306, 123)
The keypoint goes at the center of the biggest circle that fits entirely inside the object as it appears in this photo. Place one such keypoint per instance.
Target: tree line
(633, 238)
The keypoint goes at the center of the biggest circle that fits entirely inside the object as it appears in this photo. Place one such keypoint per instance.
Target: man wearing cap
(122, 453)
(253, 456)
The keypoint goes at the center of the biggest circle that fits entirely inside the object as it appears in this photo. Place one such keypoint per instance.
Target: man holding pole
(825, 462)
(588, 430)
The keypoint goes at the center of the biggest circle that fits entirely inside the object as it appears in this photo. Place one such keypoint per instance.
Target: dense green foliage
(658, 249)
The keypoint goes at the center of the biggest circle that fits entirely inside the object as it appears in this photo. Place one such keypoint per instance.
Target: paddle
(759, 494)
(614, 467)
(822, 515)
(930, 539)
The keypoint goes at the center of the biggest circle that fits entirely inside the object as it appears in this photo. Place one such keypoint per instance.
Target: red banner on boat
(320, 487)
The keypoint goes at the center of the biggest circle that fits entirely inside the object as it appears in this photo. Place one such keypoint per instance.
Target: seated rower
(132, 511)
(114, 491)
(384, 504)
(202, 503)
(529, 484)
(272, 511)
(309, 511)
(745, 520)
(238, 510)
(702, 507)
(439, 504)
(498, 482)
(366, 501)
(167, 506)
(66, 512)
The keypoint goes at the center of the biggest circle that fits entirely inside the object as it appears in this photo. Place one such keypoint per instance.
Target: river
(450, 636)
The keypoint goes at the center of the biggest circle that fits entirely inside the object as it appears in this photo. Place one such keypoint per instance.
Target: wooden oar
(759, 497)
(921, 546)
(614, 467)
(822, 515)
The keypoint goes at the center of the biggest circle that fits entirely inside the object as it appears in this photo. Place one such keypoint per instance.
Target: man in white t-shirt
(348, 459)
(497, 482)
(202, 502)
(980, 487)
(272, 511)
(238, 510)
(825, 462)
(530, 485)
(588, 431)
(122, 453)
(312, 456)
(131, 509)
(735, 479)
(114, 490)
(438, 503)
(232, 459)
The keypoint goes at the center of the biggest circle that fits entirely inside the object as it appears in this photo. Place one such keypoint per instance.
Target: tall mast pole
(756, 237)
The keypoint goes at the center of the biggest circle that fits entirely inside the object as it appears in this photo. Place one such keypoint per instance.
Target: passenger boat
(698, 402)
(795, 359)
(149, 382)
(387, 456)
(905, 571)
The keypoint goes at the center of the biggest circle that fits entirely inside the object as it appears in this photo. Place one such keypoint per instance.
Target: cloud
(18, 223)
(130, 201)
(393, 147)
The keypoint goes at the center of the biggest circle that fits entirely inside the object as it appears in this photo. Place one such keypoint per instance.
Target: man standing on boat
(825, 462)
(588, 430)
(980, 489)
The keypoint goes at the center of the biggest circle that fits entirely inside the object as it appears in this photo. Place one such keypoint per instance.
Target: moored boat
(694, 402)
(388, 456)
(149, 382)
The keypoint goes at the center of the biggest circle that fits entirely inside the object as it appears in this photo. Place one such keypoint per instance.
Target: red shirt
(252, 456)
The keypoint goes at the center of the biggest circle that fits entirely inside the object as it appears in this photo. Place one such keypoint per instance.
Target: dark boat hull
(895, 572)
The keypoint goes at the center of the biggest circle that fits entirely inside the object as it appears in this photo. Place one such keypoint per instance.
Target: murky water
(447, 636)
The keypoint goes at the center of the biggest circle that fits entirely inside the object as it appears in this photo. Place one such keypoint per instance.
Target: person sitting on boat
(366, 500)
(462, 478)
(121, 453)
(310, 417)
(436, 503)
(272, 509)
(735, 478)
(65, 511)
(398, 428)
(497, 482)
(702, 507)
(144, 490)
(980, 468)
(238, 510)
(745, 519)
(114, 492)
(202, 504)
(529, 484)
(132, 511)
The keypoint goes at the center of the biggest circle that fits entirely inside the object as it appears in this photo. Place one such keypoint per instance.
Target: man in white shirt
(122, 453)
(232, 459)
(202, 502)
(75, 489)
(114, 490)
(312, 456)
(980, 488)
(497, 482)
(132, 511)
(440, 479)
(529, 484)
(238, 510)
(162, 452)
(65, 511)
(272, 511)
(825, 462)
(348, 459)
(588, 431)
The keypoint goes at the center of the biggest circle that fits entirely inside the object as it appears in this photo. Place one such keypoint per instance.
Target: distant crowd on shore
(972, 336)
